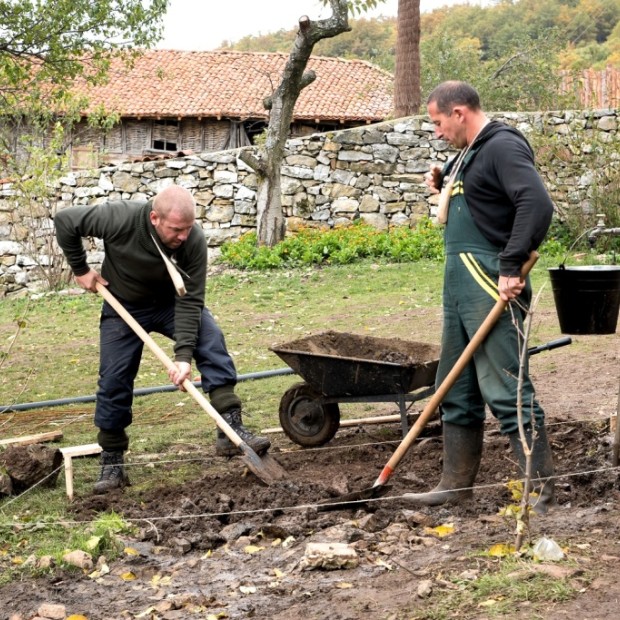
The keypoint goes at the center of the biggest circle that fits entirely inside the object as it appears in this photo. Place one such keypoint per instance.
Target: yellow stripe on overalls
(457, 188)
(480, 276)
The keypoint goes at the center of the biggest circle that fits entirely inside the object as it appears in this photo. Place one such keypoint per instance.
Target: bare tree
(266, 161)
(407, 73)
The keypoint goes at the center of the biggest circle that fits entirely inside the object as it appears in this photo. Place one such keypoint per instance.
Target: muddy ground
(227, 546)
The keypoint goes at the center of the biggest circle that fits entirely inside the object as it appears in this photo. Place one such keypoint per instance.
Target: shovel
(358, 498)
(264, 466)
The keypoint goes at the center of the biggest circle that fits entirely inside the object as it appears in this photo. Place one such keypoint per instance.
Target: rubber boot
(225, 447)
(462, 452)
(542, 467)
(112, 474)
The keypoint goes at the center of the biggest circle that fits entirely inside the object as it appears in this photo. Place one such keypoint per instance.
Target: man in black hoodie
(496, 211)
(137, 236)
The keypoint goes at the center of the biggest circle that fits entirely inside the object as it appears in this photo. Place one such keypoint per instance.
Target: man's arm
(533, 207)
(188, 309)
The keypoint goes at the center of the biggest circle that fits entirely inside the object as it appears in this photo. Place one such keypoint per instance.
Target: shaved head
(173, 215)
(177, 199)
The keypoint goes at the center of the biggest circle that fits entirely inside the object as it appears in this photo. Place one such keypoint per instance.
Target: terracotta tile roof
(174, 84)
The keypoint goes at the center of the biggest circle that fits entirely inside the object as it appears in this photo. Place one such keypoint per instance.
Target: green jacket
(133, 265)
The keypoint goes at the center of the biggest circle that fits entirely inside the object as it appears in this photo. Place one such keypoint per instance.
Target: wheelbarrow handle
(553, 344)
(450, 379)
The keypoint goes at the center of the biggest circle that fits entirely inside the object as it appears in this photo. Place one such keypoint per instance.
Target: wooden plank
(30, 439)
(68, 454)
(344, 423)
(85, 450)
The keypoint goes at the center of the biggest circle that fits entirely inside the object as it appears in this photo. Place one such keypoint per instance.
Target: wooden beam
(68, 454)
(26, 440)
(344, 423)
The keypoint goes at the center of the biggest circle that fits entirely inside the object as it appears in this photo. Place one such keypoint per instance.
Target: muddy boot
(542, 467)
(462, 452)
(112, 474)
(225, 447)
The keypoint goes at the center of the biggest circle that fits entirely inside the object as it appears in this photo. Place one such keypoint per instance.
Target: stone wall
(374, 173)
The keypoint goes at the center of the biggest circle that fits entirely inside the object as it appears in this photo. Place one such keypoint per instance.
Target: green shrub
(338, 246)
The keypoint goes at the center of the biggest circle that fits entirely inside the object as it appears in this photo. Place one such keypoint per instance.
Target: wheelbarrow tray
(344, 364)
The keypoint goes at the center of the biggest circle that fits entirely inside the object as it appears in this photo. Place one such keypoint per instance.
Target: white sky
(204, 24)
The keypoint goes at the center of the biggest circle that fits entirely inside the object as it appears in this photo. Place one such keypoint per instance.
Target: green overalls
(469, 293)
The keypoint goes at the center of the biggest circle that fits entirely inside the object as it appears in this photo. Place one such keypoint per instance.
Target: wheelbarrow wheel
(304, 419)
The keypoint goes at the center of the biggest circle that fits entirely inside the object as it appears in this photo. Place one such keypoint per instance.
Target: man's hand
(510, 287)
(180, 373)
(433, 179)
(89, 280)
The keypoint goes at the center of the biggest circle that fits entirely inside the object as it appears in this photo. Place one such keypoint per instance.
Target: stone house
(172, 102)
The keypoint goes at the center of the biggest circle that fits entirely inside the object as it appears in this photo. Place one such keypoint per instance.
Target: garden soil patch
(224, 545)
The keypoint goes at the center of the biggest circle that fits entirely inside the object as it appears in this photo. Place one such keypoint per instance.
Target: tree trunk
(266, 162)
(407, 73)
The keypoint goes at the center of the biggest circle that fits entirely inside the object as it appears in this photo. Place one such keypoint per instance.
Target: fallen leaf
(343, 585)
(93, 542)
(278, 573)
(128, 576)
(441, 530)
(248, 589)
(158, 580)
(501, 551)
(76, 617)
(488, 603)
(130, 551)
(253, 549)
(380, 562)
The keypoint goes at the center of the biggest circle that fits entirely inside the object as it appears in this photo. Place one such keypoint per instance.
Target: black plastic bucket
(587, 299)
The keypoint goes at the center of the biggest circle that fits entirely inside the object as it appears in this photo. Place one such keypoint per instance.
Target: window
(165, 135)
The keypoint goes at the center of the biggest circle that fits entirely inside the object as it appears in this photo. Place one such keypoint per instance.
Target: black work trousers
(121, 350)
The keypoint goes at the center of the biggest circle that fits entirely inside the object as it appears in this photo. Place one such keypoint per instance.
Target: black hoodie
(506, 196)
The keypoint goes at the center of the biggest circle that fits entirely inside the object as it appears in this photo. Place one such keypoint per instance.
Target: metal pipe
(263, 374)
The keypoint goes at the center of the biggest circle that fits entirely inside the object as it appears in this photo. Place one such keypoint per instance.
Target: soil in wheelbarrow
(372, 348)
(223, 545)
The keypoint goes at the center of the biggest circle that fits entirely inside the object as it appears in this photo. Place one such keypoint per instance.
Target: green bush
(338, 246)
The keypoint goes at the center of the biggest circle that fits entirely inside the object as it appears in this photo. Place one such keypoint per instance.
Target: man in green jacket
(136, 237)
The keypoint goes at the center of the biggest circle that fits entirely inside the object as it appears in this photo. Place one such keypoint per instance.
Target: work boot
(225, 447)
(112, 474)
(542, 467)
(462, 452)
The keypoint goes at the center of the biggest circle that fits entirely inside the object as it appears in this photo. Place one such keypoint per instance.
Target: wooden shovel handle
(190, 388)
(450, 379)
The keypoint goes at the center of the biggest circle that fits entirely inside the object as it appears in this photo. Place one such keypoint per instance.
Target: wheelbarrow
(349, 368)
(342, 367)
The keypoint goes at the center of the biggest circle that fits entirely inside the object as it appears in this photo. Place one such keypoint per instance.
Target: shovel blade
(264, 467)
(352, 501)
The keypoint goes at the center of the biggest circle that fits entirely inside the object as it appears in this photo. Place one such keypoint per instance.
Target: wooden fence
(593, 89)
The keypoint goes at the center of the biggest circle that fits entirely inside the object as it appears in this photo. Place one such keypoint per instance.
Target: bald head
(173, 215)
(174, 199)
